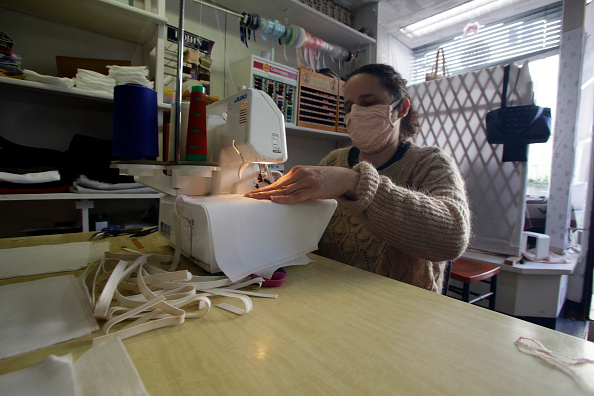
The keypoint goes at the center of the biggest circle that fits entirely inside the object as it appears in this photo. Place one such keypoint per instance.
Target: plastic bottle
(196, 139)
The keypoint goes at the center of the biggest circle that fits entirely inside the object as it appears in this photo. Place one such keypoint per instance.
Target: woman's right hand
(305, 183)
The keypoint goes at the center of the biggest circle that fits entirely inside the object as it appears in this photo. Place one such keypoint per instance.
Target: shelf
(23, 90)
(297, 13)
(293, 130)
(107, 17)
(74, 196)
(528, 268)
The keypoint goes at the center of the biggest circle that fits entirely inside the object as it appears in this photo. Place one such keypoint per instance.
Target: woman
(402, 209)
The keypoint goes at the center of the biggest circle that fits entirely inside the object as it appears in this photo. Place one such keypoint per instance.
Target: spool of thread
(196, 149)
(135, 123)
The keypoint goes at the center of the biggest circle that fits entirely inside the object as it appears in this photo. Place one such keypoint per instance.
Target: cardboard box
(68, 66)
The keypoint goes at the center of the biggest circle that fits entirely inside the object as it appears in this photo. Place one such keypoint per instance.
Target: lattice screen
(452, 113)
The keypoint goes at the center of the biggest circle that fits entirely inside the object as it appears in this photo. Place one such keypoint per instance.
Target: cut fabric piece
(105, 369)
(291, 231)
(52, 376)
(45, 259)
(41, 313)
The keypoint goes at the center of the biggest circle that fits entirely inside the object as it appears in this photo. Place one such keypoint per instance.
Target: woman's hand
(305, 183)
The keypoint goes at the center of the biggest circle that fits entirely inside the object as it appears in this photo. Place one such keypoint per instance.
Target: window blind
(515, 38)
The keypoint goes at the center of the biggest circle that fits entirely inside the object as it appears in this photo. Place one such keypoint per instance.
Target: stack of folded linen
(89, 161)
(130, 75)
(30, 170)
(89, 80)
(64, 82)
(88, 186)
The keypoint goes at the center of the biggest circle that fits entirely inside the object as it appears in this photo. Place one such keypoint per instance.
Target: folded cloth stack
(51, 80)
(89, 80)
(130, 75)
(92, 157)
(10, 63)
(88, 186)
(30, 170)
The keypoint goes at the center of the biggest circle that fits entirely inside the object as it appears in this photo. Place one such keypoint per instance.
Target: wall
(223, 29)
(583, 164)
(392, 52)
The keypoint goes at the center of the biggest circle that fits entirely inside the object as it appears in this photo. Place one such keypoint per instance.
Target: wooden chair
(471, 271)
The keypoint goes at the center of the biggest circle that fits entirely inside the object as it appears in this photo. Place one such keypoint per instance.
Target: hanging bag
(433, 75)
(517, 126)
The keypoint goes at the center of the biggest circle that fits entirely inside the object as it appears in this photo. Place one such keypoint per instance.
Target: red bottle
(196, 139)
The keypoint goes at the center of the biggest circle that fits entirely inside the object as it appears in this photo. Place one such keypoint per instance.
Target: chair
(471, 271)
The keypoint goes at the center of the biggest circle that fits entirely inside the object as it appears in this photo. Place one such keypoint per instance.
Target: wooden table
(337, 330)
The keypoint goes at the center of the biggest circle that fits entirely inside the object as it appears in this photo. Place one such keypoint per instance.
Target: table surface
(335, 329)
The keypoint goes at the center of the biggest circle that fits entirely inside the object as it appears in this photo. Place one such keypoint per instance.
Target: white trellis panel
(452, 116)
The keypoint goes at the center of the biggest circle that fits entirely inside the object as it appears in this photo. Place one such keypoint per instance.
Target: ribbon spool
(291, 35)
(247, 23)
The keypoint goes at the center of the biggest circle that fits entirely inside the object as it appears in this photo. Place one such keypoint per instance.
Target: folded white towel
(92, 81)
(86, 190)
(130, 74)
(84, 181)
(143, 70)
(41, 78)
(31, 178)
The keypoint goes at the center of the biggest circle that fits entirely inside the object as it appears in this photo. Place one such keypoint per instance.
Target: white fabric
(89, 80)
(51, 80)
(268, 272)
(264, 234)
(41, 313)
(85, 190)
(51, 376)
(130, 74)
(99, 185)
(45, 259)
(31, 178)
(105, 369)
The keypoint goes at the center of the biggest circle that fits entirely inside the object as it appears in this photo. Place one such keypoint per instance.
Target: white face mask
(371, 127)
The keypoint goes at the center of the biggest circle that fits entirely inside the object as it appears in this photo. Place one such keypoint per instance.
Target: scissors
(114, 230)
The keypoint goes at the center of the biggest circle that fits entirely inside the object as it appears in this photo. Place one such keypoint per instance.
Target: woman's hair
(396, 85)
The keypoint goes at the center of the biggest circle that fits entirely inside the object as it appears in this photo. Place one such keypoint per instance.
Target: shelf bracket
(84, 205)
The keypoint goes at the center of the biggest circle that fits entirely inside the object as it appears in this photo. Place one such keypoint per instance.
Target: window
(513, 39)
(544, 74)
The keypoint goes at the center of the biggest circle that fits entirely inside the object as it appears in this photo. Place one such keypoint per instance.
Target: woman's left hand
(305, 183)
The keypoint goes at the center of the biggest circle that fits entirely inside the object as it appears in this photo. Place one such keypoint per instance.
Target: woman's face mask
(370, 128)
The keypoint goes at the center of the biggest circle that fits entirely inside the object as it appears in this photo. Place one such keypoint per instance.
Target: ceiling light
(467, 12)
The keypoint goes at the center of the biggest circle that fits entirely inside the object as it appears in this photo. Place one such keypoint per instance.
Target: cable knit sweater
(406, 220)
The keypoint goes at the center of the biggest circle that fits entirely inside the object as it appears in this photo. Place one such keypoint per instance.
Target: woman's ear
(403, 107)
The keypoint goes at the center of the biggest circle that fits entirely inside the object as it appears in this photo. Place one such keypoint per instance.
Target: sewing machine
(245, 133)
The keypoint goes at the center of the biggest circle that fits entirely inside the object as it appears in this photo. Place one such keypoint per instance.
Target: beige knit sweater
(406, 220)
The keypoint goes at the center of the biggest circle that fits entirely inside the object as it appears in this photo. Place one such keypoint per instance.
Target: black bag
(517, 126)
